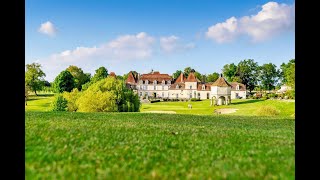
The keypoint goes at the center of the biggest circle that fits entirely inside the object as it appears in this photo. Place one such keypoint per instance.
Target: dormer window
(237, 87)
(163, 82)
(154, 82)
(169, 82)
(177, 86)
(146, 81)
(203, 87)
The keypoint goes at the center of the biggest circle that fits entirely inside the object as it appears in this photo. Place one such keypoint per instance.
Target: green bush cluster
(106, 95)
(59, 103)
(195, 99)
(290, 94)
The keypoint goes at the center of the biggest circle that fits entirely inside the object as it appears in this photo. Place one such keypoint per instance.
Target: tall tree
(187, 71)
(34, 77)
(212, 77)
(247, 70)
(229, 71)
(198, 75)
(64, 82)
(288, 73)
(176, 74)
(268, 76)
(101, 73)
(79, 76)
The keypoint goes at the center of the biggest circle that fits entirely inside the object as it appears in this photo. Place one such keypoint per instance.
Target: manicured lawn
(158, 146)
(247, 107)
(241, 145)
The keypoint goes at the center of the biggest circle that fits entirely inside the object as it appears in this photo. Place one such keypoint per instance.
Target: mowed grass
(189, 145)
(246, 107)
(68, 145)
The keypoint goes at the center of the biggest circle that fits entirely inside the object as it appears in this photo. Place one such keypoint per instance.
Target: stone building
(157, 85)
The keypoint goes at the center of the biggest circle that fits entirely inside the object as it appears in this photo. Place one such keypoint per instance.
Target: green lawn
(65, 145)
(246, 107)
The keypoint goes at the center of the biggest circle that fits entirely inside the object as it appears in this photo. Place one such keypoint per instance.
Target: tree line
(247, 72)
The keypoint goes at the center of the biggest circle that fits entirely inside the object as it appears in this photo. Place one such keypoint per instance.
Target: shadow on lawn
(247, 102)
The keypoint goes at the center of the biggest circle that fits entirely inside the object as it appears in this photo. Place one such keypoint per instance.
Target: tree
(212, 77)
(288, 73)
(187, 71)
(79, 76)
(176, 74)
(198, 75)
(247, 70)
(34, 77)
(229, 71)
(268, 76)
(64, 82)
(101, 73)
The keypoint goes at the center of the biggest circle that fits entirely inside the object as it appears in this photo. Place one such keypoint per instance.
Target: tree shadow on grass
(247, 102)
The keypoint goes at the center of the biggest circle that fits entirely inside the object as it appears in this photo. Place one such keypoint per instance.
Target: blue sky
(162, 35)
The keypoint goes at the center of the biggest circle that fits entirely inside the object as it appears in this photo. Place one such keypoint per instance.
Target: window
(198, 95)
(203, 87)
(163, 82)
(140, 93)
(190, 87)
(177, 87)
(237, 87)
(146, 82)
(154, 87)
(162, 87)
(162, 94)
(177, 95)
(154, 82)
(169, 82)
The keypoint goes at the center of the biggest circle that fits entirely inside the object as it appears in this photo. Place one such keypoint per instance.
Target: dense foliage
(106, 95)
(64, 82)
(59, 103)
(34, 77)
(288, 73)
(80, 77)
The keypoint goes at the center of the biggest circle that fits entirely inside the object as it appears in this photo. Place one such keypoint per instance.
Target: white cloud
(272, 20)
(223, 32)
(127, 47)
(47, 28)
(172, 44)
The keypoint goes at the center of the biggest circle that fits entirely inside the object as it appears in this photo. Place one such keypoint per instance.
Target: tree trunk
(35, 92)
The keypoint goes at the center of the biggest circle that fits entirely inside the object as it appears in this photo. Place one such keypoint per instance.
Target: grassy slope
(114, 145)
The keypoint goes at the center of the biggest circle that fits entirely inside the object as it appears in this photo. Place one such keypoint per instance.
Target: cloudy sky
(161, 35)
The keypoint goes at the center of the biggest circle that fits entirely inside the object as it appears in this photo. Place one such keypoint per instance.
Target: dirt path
(225, 111)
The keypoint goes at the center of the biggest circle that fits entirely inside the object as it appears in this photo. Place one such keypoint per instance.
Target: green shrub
(195, 99)
(264, 98)
(290, 94)
(267, 111)
(59, 103)
(156, 100)
(72, 97)
(91, 101)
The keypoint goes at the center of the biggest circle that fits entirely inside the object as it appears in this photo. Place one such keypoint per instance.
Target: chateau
(159, 85)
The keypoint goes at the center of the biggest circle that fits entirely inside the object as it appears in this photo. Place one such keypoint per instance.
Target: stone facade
(158, 85)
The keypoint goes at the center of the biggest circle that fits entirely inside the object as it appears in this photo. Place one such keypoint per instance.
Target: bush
(290, 94)
(108, 95)
(91, 101)
(59, 103)
(267, 111)
(72, 97)
(195, 99)
(264, 98)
